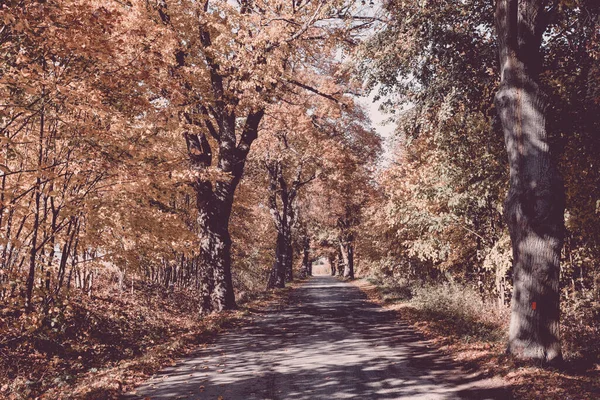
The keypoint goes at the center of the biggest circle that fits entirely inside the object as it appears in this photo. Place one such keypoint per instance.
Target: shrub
(464, 308)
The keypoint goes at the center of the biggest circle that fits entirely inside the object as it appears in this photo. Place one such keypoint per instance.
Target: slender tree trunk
(306, 264)
(282, 266)
(348, 251)
(33, 251)
(36, 220)
(289, 255)
(340, 261)
(332, 264)
(277, 278)
(534, 205)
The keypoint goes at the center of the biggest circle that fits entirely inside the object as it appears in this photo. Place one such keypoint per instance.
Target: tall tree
(284, 213)
(534, 206)
(233, 61)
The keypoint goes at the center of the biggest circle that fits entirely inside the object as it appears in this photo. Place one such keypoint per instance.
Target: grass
(101, 347)
(474, 332)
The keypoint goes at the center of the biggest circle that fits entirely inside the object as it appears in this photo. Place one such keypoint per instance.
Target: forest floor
(329, 342)
(478, 345)
(100, 346)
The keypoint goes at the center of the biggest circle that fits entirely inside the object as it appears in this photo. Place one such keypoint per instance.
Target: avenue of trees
(220, 147)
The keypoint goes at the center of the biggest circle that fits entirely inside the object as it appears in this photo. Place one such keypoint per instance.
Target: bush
(464, 309)
(580, 326)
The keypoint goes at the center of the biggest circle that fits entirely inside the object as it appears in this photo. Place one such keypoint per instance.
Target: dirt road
(330, 343)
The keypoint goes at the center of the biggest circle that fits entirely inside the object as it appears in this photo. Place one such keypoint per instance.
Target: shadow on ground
(330, 343)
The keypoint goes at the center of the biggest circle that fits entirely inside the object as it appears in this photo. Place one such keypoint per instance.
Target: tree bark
(332, 264)
(348, 253)
(215, 254)
(306, 263)
(282, 267)
(289, 255)
(340, 261)
(278, 188)
(284, 215)
(277, 278)
(534, 206)
(215, 203)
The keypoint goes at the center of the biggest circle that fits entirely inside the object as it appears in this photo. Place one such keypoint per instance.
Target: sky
(382, 125)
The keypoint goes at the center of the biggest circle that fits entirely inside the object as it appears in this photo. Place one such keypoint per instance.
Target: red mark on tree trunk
(533, 305)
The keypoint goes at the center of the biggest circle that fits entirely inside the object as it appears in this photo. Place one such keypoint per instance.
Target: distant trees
(311, 150)
(284, 214)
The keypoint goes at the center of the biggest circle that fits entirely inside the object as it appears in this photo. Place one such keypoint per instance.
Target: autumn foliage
(191, 154)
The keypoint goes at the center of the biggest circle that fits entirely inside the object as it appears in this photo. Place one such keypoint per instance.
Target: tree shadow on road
(329, 343)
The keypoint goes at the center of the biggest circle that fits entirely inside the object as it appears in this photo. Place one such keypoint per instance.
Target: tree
(348, 181)
(233, 61)
(284, 213)
(306, 269)
(440, 60)
(534, 207)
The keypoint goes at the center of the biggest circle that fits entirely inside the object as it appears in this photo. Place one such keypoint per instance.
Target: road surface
(330, 343)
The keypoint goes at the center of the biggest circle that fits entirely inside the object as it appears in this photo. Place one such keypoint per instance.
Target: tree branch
(312, 89)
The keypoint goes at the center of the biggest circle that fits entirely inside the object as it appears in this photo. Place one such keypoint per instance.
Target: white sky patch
(384, 125)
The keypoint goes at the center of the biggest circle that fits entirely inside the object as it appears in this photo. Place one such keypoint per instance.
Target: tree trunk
(289, 256)
(306, 264)
(215, 251)
(277, 277)
(332, 265)
(534, 205)
(284, 216)
(340, 261)
(348, 250)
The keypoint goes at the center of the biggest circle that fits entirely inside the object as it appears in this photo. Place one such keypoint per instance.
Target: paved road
(331, 343)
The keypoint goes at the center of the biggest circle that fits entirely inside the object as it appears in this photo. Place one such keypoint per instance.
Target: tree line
(220, 147)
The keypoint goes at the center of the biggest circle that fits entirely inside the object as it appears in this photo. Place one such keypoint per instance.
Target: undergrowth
(474, 330)
(97, 347)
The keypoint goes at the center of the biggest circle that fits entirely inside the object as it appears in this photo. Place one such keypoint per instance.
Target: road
(329, 343)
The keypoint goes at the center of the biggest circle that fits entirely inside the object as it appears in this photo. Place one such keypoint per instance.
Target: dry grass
(102, 346)
(474, 333)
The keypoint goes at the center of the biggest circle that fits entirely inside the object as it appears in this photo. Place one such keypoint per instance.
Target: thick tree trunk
(223, 297)
(535, 203)
(215, 251)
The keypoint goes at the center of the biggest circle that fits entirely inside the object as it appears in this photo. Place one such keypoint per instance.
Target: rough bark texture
(215, 202)
(535, 202)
